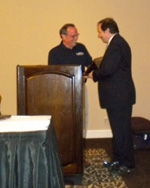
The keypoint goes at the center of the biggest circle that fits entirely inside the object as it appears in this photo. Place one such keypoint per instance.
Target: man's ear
(63, 36)
(107, 30)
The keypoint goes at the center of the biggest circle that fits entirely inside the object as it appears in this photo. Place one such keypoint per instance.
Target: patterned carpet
(95, 175)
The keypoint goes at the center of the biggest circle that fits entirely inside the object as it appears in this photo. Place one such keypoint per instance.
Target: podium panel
(56, 91)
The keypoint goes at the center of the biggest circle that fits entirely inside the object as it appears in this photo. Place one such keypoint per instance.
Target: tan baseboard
(98, 134)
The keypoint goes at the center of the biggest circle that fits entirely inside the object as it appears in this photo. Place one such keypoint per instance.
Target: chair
(141, 132)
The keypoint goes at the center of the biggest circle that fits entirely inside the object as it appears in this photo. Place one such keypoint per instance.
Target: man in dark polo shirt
(69, 52)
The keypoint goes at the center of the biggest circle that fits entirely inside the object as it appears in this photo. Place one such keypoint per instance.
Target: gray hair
(64, 28)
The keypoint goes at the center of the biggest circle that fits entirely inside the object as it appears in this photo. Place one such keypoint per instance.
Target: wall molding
(98, 134)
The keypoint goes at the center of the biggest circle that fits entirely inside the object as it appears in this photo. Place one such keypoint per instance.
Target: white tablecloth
(25, 123)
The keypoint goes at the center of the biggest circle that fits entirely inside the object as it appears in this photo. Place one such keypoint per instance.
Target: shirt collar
(63, 46)
(111, 38)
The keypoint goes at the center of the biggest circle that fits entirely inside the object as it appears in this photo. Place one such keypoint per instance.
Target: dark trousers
(120, 122)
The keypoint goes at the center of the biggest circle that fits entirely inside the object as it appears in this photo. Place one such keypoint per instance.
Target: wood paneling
(56, 91)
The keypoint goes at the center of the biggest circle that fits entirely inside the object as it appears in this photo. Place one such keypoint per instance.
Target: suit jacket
(114, 76)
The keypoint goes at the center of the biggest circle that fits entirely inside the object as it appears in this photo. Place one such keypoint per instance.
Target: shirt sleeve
(88, 57)
(52, 58)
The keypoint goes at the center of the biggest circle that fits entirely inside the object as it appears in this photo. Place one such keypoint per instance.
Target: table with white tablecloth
(29, 156)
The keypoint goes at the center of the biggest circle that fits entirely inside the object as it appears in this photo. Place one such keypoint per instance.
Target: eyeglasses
(74, 36)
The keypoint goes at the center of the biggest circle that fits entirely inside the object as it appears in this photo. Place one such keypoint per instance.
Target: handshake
(95, 65)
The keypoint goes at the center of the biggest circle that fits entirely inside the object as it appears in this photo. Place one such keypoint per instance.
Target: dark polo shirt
(78, 55)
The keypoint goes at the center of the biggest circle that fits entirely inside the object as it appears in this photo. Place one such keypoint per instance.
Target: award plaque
(95, 65)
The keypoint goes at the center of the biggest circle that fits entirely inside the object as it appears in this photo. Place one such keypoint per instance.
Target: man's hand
(90, 75)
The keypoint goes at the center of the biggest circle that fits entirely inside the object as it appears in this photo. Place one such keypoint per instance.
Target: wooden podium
(56, 91)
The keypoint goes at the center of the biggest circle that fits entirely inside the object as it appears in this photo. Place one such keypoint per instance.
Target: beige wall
(28, 29)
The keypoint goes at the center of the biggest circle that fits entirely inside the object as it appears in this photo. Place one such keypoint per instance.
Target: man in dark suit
(116, 93)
